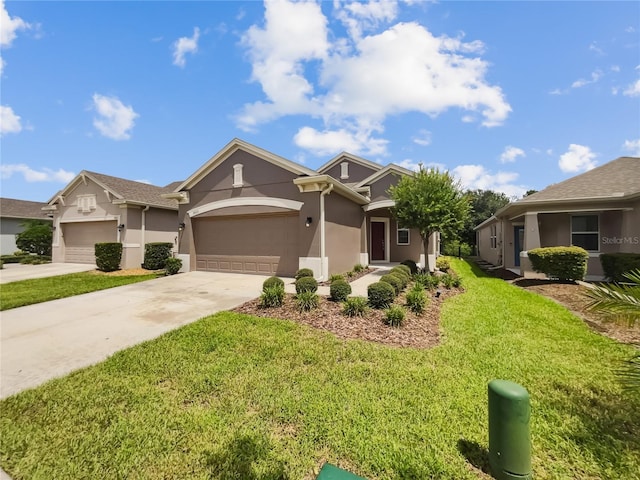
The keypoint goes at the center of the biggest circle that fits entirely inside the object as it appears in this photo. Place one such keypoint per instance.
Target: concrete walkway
(12, 272)
(358, 287)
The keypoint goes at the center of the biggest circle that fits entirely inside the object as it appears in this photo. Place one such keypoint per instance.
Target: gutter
(324, 192)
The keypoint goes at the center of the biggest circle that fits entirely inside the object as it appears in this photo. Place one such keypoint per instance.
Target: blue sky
(508, 96)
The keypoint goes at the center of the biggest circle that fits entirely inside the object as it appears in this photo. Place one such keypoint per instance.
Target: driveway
(12, 272)
(48, 340)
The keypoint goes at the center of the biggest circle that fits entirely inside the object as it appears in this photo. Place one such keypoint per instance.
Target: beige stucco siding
(398, 253)
(343, 231)
(357, 172)
(380, 188)
(486, 252)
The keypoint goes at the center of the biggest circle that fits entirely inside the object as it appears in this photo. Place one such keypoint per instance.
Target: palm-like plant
(622, 302)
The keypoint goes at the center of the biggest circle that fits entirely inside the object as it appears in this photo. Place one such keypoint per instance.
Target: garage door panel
(80, 239)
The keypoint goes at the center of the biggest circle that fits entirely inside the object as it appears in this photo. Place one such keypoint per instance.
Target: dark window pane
(588, 241)
(403, 236)
(585, 223)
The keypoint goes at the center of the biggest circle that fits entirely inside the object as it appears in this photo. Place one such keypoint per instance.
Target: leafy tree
(484, 203)
(36, 237)
(529, 192)
(429, 201)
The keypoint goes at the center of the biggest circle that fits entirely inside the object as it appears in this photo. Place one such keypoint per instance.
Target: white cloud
(475, 177)
(595, 76)
(185, 45)
(632, 146)
(410, 164)
(10, 26)
(423, 138)
(578, 158)
(31, 175)
(633, 90)
(468, 119)
(630, 29)
(9, 121)
(330, 142)
(510, 154)
(115, 119)
(595, 48)
(2, 65)
(615, 68)
(143, 180)
(358, 17)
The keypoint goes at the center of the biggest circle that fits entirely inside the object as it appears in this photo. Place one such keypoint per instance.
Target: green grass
(237, 397)
(28, 292)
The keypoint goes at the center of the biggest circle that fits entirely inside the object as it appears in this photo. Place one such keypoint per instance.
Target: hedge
(339, 290)
(108, 256)
(156, 255)
(306, 284)
(563, 263)
(380, 294)
(615, 265)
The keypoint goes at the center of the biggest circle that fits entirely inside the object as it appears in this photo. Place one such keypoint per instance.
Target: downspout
(324, 192)
(142, 230)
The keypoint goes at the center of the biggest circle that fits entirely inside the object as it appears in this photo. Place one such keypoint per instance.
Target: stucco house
(251, 211)
(13, 213)
(598, 210)
(95, 208)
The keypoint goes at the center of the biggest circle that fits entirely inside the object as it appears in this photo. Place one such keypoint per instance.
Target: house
(13, 213)
(96, 208)
(248, 210)
(598, 210)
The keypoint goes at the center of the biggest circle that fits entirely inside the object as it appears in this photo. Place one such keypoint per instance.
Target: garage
(258, 244)
(80, 239)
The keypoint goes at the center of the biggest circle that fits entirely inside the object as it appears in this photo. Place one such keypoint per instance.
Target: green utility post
(509, 439)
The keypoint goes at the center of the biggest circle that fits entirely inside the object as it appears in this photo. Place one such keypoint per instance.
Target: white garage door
(80, 239)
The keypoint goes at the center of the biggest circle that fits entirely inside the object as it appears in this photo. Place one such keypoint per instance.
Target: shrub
(380, 294)
(272, 296)
(355, 307)
(455, 247)
(35, 259)
(304, 272)
(413, 266)
(350, 274)
(563, 263)
(339, 290)
(358, 267)
(336, 278)
(417, 301)
(450, 280)
(402, 275)
(442, 263)
(36, 237)
(11, 258)
(108, 256)
(307, 301)
(427, 280)
(615, 265)
(156, 255)
(394, 316)
(172, 265)
(394, 281)
(272, 282)
(405, 268)
(306, 284)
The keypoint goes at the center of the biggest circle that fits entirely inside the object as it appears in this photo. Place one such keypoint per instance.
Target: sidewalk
(358, 287)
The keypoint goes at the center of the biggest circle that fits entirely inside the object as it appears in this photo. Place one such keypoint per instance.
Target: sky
(507, 96)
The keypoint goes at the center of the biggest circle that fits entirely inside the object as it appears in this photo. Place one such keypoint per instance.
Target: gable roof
(232, 147)
(349, 156)
(391, 168)
(124, 191)
(14, 208)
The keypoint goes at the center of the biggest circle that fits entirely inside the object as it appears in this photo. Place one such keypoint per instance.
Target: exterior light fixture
(181, 226)
(309, 221)
(121, 227)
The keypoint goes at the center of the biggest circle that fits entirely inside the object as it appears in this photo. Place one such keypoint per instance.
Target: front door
(518, 243)
(377, 241)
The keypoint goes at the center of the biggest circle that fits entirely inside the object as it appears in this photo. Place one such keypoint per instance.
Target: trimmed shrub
(442, 263)
(563, 263)
(358, 267)
(413, 266)
(402, 275)
(272, 296)
(355, 307)
(339, 290)
(35, 259)
(404, 281)
(304, 272)
(380, 294)
(272, 282)
(336, 277)
(307, 301)
(11, 258)
(404, 268)
(306, 284)
(172, 265)
(392, 280)
(394, 316)
(417, 301)
(156, 254)
(108, 256)
(615, 265)
(1, 264)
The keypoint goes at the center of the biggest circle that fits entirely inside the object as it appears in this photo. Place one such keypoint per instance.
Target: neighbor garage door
(80, 239)
(261, 244)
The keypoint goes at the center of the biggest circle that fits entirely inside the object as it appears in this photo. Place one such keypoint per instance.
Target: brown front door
(377, 241)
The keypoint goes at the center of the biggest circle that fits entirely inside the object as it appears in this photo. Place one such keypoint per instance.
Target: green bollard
(509, 440)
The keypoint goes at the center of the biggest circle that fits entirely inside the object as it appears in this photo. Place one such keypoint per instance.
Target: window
(403, 236)
(237, 175)
(86, 203)
(584, 232)
(344, 170)
(493, 236)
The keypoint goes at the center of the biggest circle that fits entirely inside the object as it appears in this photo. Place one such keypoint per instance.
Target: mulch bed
(418, 331)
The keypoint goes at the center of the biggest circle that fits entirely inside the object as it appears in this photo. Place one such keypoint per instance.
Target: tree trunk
(425, 245)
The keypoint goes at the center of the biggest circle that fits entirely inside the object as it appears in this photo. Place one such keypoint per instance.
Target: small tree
(429, 201)
(36, 237)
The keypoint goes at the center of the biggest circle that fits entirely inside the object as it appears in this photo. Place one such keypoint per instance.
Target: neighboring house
(96, 208)
(598, 210)
(13, 213)
(248, 210)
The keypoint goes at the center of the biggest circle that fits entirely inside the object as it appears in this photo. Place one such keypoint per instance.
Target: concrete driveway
(12, 272)
(48, 340)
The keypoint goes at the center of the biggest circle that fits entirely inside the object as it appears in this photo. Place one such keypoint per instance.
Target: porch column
(531, 241)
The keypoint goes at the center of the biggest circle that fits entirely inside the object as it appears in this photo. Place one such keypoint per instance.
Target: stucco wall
(486, 252)
(357, 172)
(379, 189)
(343, 230)
(9, 227)
(398, 253)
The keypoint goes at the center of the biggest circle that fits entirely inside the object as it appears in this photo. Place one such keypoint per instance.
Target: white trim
(371, 179)
(246, 201)
(379, 204)
(349, 156)
(364, 259)
(344, 170)
(314, 263)
(387, 223)
(186, 262)
(130, 245)
(408, 236)
(237, 176)
(107, 218)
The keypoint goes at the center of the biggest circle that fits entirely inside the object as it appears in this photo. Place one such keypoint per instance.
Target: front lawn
(37, 290)
(239, 397)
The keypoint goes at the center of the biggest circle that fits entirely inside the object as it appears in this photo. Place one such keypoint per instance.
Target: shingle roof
(10, 207)
(617, 179)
